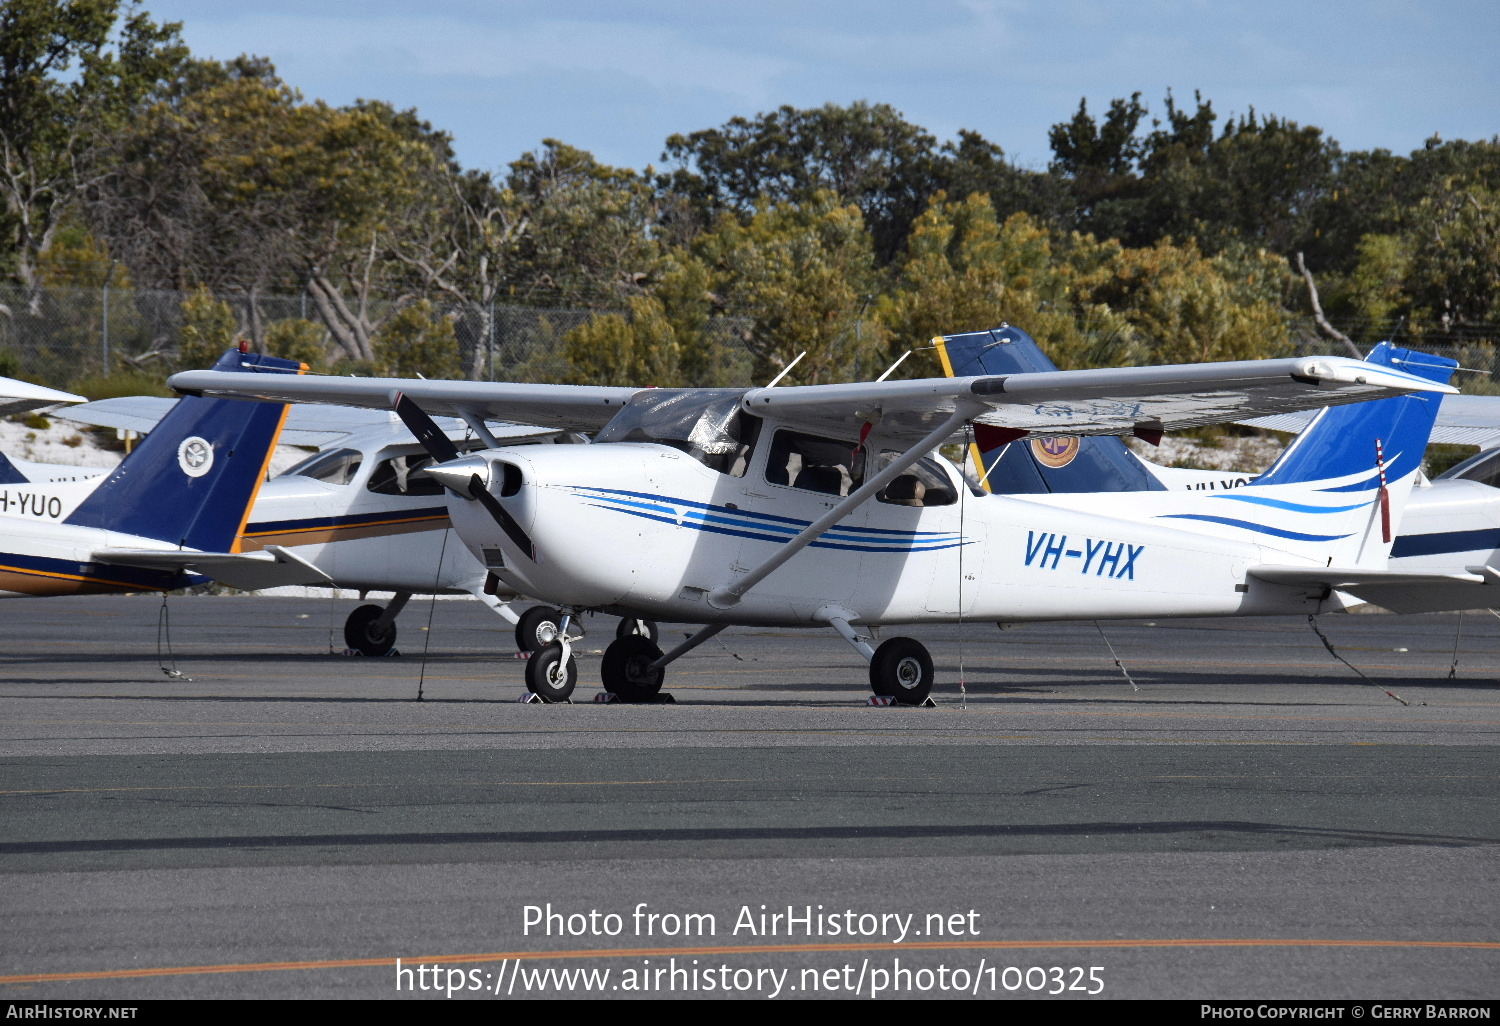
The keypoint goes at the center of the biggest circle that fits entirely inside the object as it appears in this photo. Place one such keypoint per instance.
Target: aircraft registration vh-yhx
(823, 505)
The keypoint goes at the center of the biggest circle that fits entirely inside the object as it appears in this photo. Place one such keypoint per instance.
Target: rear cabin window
(923, 484)
(338, 467)
(814, 464)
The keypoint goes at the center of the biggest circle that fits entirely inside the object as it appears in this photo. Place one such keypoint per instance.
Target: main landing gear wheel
(902, 670)
(638, 628)
(361, 634)
(550, 676)
(626, 668)
(537, 628)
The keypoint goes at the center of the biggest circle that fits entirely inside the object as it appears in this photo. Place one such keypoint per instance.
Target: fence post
(104, 327)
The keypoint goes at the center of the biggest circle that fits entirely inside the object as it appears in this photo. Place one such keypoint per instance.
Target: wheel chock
(884, 701)
(356, 652)
(610, 698)
(532, 698)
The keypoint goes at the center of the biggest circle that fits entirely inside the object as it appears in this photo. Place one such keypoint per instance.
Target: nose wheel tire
(361, 634)
(626, 668)
(550, 676)
(902, 670)
(640, 628)
(537, 628)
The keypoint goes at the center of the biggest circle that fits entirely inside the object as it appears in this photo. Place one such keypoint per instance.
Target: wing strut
(729, 595)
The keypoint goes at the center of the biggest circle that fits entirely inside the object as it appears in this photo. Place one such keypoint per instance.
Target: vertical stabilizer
(191, 482)
(1338, 491)
(1042, 465)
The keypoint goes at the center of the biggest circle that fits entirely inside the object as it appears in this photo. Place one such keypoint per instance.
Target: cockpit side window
(338, 467)
(922, 484)
(815, 464)
(1483, 467)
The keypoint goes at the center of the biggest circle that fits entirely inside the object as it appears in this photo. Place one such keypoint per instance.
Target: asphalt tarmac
(1244, 818)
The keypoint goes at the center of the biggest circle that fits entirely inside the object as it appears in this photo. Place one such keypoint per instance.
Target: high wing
(306, 424)
(1104, 401)
(569, 407)
(1462, 420)
(23, 396)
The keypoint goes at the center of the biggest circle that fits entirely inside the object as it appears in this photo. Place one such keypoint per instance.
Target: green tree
(293, 338)
(418, 340)
(804, 277)
(965, 271)
(589, 237)
(613, 349)
(209, 328)
(865, 154)
(68, 79)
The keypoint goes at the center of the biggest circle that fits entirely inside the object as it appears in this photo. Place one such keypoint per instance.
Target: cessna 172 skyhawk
(821, 506)
(364, 512)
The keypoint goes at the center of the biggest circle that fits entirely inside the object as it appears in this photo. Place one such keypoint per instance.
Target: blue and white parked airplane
(169, 516)
(1449, 523)
(364, 512)
(822, 506)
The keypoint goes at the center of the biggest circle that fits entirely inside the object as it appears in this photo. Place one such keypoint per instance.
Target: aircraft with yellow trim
(363, 511)
(170, 515)
(823, 506)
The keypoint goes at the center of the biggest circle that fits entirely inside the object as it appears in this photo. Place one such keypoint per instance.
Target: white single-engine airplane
(364, 512)
(821, 506)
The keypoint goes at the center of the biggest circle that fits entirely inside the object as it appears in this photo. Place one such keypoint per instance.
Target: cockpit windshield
(705, 423)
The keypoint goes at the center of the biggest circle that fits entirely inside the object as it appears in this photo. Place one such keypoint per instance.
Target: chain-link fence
(61, 336)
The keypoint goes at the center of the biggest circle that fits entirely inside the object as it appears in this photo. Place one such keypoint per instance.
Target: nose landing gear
(537, 628)
(552, 672)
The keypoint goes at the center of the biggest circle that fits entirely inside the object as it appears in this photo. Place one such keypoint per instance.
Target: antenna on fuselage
(894, 366)
(786, 370)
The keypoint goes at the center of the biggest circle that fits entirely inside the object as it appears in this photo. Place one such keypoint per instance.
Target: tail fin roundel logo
(195, 456)
(1054, 452)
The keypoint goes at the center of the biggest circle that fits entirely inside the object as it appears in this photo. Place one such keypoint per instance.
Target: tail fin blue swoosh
(1339, 445)
(192, 480)
(1091, 464)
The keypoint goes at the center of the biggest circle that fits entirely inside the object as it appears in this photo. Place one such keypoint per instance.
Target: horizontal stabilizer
(1400, 591)
(272, 567)
(22, 397)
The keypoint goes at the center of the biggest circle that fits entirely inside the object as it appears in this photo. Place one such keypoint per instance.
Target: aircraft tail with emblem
(191, 481)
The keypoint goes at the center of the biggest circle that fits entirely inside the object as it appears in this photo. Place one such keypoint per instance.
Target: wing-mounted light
(468, 477)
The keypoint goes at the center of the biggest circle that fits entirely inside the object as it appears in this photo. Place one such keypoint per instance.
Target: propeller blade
(442, 450)
(514, 531)
(432, 437)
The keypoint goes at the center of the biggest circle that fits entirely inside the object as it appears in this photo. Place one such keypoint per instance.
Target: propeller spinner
(466, 477)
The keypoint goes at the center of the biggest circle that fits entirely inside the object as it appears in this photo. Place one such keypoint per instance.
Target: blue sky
(616, 77)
